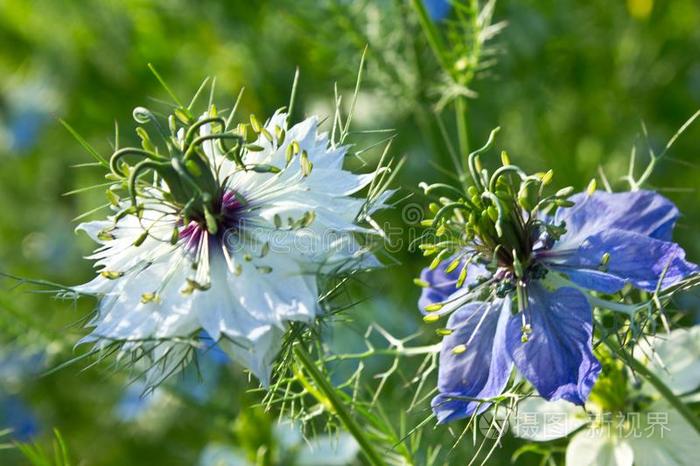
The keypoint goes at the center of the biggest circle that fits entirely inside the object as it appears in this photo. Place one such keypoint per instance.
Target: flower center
(227, 216)
(498, 222)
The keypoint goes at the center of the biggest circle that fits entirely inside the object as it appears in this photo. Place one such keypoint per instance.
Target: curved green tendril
(471, 160)
(121, 153)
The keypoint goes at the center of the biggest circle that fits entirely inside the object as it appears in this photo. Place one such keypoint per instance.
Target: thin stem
(340, 410)
(432, 35)
(660, 386)
(462, 124)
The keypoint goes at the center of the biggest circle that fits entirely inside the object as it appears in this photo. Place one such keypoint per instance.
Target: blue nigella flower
(438, 9)
(17, 416)
(602, 243)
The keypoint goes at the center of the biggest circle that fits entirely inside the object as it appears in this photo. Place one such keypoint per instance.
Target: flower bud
(528, 194)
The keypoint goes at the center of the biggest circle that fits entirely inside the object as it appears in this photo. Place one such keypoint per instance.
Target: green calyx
(611, 391)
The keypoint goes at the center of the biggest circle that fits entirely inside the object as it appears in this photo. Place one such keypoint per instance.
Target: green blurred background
(570, 84)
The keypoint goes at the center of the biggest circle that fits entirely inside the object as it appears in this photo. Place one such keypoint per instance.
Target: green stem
(660, 386)
(462, 125)
(339, 407)
(431, 33)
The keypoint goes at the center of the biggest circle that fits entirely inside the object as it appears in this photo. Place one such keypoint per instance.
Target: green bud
(441, 230)
(420, 283)
(306, 164)
(172, 124)
(264, 168)
(503, 194)
(254, 123)
(266, 134)
(565, 192)
(453, 265)
(193, 168)
(113, 197)
(547, 177)
(462, 276)
(434, 307)
(591, 187)
(142, 237)
(517, 265)
(105, 235)
(280, 135)
(212, 226)
(149, 298)
(183, 115)
(492, 212)
(145, 140)
(307, 219)
(175, 236)
(528, 194)
(505, 160)
(440, 257)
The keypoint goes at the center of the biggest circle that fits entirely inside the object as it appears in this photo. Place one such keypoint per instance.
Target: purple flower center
(227, 211)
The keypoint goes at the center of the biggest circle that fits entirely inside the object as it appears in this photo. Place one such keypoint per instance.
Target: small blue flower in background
(25, 127)
(30, 104)
(611, 240)
(438, 9)
(16, 415)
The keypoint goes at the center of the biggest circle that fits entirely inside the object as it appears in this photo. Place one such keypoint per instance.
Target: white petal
(674, 358)
(257, 355)
(337, 183)
(540, 420)
(664, 438)
(598, 448)
(93, 229)
(329, 450)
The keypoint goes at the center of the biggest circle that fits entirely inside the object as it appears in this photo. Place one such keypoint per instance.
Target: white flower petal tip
(225, 231)
(539, 420)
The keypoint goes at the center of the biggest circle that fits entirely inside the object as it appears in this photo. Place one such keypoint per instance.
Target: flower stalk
(329, 396)
(658, 384)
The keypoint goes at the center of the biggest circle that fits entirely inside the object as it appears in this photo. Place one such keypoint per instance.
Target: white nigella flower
(226, 232)
(650, 432)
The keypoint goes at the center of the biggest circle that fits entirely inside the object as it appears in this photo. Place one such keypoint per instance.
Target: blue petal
(442, 285)
(482, 371)
(558, 357)
(633, 258)
(643, 212)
